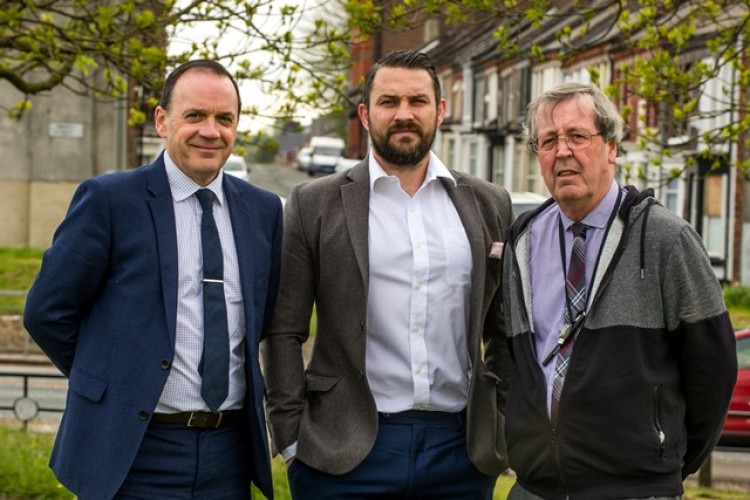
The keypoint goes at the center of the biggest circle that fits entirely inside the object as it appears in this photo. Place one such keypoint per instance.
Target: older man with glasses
(625, 358)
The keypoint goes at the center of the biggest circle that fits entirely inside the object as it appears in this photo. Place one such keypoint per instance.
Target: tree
(675, 48)
(109, 47)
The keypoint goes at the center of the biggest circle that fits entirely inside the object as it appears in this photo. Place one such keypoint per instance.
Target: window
(498, 163)
(480, 108)
(431, 29)
(671, 193)
(515, 90)
(474, 158)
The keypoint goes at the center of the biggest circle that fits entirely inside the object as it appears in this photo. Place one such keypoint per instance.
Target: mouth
(567, 173)
(207, 150)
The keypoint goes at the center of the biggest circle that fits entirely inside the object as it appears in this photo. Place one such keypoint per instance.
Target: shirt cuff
(289, 452)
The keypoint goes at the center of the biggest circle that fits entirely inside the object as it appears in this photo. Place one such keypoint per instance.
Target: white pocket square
(496, 250)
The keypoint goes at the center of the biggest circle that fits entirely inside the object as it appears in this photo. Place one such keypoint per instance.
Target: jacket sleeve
(70, 278)
(695, 310)
(281, 350)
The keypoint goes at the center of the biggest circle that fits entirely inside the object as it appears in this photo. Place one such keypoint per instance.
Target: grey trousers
(518, 493)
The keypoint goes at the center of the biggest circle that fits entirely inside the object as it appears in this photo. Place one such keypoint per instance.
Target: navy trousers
(178, 462)
(416, 455)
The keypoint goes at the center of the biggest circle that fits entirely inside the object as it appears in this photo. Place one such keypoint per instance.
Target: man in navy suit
(118, 308)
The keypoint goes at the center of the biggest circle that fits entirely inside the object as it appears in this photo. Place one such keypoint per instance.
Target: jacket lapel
(355, 198)
(162, 213)
(465, 202)
(243, 226)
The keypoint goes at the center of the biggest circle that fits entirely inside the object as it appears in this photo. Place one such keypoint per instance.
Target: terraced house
(679, 113)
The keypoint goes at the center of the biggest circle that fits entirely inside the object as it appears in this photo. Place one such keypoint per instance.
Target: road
(276, 177)
(731, 467)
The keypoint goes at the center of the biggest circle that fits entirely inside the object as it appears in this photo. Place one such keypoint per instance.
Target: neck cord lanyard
(572, 325)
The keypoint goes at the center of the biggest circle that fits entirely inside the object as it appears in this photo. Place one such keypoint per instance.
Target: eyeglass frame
(536, 149)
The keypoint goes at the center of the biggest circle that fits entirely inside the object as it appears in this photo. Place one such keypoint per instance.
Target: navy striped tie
(215, 362)
(575, 288)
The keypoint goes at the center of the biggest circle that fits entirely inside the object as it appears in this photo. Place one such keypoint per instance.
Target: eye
(577, 138)
(547, 143)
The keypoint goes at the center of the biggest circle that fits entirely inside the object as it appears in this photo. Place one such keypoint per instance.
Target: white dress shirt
(182, 392)
(418, 295)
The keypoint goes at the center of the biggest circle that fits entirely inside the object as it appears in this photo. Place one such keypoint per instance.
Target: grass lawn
(24, 473)
(18, 266)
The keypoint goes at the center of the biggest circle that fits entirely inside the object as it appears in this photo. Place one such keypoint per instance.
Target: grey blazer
(327, 406)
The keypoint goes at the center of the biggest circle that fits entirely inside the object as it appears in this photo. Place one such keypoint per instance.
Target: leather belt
(199, 419)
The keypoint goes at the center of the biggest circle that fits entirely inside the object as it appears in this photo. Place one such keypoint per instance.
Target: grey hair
(607, 118)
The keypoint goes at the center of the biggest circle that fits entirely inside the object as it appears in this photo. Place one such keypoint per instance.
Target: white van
(325, 153)
(237, 166)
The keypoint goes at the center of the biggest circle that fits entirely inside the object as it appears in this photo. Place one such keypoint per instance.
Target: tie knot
(205, 198)
(579, 229)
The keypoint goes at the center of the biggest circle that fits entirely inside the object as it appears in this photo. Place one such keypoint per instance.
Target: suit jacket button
(143, 415)
(165, 364)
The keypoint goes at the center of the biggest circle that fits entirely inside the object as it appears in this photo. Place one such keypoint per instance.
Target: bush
(737, 296)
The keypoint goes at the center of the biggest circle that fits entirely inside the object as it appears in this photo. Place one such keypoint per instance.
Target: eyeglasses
(574, 140)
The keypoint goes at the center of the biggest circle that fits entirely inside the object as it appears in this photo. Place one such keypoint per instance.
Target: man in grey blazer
(404, 389)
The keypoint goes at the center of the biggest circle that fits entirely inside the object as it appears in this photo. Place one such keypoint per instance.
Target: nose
(209, 128)
(404, 112)
(562, 146)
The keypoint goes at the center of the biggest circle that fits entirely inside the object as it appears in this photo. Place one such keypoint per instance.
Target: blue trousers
(416, 455)
(177, 462)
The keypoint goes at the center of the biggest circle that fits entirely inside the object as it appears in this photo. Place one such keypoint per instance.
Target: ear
(160, 118)
(364, 116)
(612, 152)
(441, 111)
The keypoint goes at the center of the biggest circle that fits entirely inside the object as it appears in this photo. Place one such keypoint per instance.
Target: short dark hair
(409, 59)
(198, 64)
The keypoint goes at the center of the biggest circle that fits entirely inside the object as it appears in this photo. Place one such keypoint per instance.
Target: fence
(47, 395)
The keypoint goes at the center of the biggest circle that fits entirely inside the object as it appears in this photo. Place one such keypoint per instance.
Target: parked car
(346, 163)
(736, 430)
(525, 201)
(303, 158)
(237, 166)
(325, 152)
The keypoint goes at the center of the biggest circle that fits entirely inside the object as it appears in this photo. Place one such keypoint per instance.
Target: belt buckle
(218, 422)
(190, 420)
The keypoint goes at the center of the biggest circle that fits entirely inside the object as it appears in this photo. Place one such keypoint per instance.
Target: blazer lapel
(465, 201)
(355, 198)
(243, 225)
(162, 213)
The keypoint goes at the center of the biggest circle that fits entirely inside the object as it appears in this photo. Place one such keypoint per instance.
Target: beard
(402, 153)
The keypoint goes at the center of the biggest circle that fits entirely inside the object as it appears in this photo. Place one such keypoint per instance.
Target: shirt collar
(184, 187)
(599, 217)
(435, 170)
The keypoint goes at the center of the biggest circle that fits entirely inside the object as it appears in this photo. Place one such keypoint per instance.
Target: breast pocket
(457, 257)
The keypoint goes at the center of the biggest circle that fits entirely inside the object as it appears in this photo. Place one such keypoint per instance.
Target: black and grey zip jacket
(651, 371)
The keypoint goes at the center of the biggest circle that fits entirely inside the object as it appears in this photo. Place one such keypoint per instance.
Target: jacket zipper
(657, 424)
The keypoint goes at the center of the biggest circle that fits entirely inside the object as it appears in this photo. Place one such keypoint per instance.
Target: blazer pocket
(85, 385)
(320, 383)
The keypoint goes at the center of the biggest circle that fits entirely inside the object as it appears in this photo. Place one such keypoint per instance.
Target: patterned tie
(215, 362)
(575, 289)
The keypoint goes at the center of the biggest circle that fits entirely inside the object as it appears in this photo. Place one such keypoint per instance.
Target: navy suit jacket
(103, 308)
